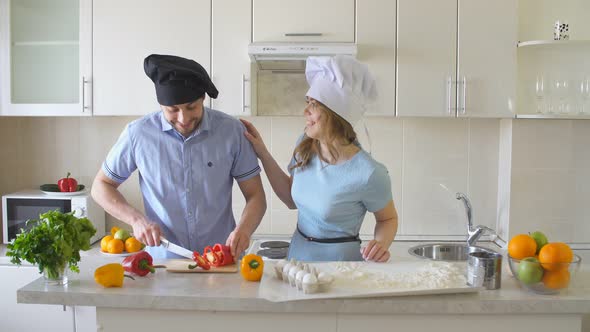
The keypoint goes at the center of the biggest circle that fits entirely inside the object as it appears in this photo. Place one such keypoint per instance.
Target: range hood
(290, 57)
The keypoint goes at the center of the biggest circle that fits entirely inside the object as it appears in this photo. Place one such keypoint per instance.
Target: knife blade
(176, 249)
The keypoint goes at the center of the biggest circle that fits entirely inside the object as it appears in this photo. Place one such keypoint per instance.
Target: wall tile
(283, 93)
(548, 188)
(542, 144)
(283, 221)
(543, 199)
(550, 179)
(434, 169)
(483, 170)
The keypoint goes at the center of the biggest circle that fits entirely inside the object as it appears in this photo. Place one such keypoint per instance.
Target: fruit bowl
(544, 278)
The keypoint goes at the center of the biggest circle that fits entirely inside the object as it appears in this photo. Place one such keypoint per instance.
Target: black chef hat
(178, 80)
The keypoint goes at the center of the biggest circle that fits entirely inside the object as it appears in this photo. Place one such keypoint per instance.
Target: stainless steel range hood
(290, 57)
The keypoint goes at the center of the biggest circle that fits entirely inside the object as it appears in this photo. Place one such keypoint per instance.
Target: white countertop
(229, 292)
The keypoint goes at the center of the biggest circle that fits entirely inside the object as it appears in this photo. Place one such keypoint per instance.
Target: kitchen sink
(446, 251)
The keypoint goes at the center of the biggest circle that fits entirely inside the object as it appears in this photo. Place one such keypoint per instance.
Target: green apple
(122, 235)
(540, 238)
(530, 271)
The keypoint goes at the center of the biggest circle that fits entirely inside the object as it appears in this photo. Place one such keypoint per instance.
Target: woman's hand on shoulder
(254, 137)
(374, 251)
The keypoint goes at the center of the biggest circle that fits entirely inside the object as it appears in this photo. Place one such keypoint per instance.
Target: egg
(286, 269)
(299, 278)
(325, 280)
(279, 268)
(310, 283)
(293, 272)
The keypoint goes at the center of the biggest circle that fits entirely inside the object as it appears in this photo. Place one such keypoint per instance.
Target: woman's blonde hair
(336, 130)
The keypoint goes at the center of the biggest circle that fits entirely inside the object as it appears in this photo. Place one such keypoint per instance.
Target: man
(187, 157)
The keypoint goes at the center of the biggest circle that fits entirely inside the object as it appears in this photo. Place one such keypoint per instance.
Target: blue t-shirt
(186, 183)
(332, 201)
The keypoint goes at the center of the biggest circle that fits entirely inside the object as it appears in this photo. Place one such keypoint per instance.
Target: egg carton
(303, 276)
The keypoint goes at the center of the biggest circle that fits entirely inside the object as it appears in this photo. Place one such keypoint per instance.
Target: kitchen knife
(173, 248)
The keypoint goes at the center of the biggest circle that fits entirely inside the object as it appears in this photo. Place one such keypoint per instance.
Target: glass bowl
(544, 278)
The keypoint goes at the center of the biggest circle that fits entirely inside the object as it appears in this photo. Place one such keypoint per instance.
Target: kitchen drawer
(303, 21)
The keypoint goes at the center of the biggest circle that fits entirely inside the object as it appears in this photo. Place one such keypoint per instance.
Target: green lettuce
(53, 243)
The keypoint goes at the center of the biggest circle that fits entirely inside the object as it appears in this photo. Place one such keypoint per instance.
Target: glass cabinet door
(46, 67)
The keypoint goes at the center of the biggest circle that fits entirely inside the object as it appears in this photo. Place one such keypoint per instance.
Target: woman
(333, 182)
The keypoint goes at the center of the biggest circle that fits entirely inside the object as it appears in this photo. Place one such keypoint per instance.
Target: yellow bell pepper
(110, 275)
(252, 267)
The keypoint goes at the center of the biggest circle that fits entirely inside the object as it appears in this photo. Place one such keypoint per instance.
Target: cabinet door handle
(244, 80)
(304, 34)
(84, 83)
(449, 93)
(464, 97)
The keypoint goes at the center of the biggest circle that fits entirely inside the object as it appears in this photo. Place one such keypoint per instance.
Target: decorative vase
(55, 276)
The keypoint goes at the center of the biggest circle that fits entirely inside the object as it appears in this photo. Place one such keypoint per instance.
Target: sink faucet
(473, 233)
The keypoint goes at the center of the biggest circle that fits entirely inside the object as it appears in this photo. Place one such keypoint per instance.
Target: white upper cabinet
(125, 32)
(487, 58)
(303, 21)
(426, 57)
(230, 64)
(45, 57)
(376, 47)
(451, 65)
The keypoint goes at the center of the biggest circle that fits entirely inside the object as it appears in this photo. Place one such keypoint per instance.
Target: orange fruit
(556, 279)
(105, 242)
(114, 230)
(556, 256)
(115, 246)
(133, 245)
(522, 246)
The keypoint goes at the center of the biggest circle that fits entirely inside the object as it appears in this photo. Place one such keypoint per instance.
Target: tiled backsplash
(551, 179)
(550, 168)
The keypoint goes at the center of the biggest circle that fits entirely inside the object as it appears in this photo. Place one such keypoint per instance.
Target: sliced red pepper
(224, 252)
(212, 256)
(201, 262)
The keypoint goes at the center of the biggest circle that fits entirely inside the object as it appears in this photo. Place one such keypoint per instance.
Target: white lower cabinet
(28, 317)
(120, 319)
(37, 317)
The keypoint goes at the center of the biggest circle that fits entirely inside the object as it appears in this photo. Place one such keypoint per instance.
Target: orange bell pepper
(252, 267)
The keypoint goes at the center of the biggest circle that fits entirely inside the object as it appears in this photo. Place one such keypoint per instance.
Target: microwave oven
(21, 206)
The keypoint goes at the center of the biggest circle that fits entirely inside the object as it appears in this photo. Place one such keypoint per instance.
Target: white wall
(420, 154)
(549, 183)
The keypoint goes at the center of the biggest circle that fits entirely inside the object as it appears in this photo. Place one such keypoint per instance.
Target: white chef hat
(342, 84)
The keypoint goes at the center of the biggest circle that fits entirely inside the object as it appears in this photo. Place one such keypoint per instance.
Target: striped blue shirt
(186, 183)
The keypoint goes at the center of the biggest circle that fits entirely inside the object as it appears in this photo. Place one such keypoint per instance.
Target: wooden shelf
(530, 43)
(47, 43)
(554, 116)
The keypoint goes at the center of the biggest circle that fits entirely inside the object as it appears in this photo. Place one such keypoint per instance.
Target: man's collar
(205, 124)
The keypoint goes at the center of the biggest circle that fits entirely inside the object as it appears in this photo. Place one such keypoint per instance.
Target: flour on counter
(356, 275)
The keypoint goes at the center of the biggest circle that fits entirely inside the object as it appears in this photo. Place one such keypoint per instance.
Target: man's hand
(238, 241)
(147, 232)
(374, 251)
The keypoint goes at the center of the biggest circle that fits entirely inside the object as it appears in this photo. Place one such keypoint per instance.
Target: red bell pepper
(219, 255)
(67, 184)
(139, 264)
(201, 262)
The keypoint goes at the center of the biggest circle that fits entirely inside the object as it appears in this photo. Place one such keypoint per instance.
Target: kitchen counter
(229, 293)
(164, 290)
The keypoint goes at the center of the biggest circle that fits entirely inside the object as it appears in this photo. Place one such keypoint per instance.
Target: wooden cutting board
(181, 266)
